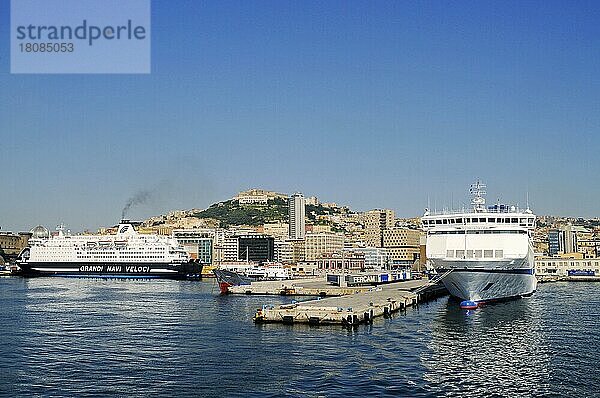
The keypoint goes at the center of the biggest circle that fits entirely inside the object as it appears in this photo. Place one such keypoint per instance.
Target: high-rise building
(297, 212)
(403, 245)
(561, 241)
(376, 221)
(554, 240)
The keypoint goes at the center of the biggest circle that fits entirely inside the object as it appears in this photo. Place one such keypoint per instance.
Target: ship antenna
(477, 190)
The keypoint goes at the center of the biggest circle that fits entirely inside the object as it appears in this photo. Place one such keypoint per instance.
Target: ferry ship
(485, 253)
(128, 254)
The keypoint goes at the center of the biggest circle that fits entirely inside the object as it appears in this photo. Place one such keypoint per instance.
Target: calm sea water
(87, 337)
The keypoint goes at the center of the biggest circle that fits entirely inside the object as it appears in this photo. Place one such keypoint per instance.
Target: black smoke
(139, 198)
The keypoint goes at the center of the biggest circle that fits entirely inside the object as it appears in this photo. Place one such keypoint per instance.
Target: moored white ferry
(485, 253)
(126, 254)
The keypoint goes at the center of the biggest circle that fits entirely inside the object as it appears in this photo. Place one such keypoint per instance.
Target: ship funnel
(126, 228)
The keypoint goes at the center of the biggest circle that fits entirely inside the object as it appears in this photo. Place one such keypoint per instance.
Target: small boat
(9, 270)
(269, 273)
(236, 274)
(468, 305)
(4, 271)
(226, 278)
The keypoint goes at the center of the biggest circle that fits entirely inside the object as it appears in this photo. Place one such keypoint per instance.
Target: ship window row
(122, 252)
(120, 256)
(525, 221)
(487, 253)
(569, 263)
(478, 232)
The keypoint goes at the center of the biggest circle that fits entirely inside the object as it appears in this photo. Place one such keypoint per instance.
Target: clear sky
(373, 104)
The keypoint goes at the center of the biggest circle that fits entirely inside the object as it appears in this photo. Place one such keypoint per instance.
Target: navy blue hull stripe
(518, 271)
(114, 270)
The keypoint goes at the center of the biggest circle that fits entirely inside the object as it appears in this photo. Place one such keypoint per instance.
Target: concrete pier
(297, 287)
(352, 309)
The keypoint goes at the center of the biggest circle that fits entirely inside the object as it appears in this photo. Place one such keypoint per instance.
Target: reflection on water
(500, 349)
(73, 337)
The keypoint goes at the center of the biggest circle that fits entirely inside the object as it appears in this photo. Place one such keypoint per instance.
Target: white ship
(126, 254)
(485, 253)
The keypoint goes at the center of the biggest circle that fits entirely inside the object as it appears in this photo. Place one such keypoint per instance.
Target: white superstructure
(486, 252)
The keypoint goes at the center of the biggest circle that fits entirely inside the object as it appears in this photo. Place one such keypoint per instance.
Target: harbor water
(93, 337)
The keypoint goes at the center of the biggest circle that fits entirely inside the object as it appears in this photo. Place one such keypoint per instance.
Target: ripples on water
(88, 337)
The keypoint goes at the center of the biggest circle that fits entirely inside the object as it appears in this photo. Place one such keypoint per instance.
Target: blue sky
(370, 104)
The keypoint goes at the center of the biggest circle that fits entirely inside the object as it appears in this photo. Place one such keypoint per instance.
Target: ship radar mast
(477, 190)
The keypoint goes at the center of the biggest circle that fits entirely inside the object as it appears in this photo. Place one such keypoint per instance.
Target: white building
(256, 197)
(376, 258)
(231, 248)
(567, 267)
(312, 200)
(297, 211)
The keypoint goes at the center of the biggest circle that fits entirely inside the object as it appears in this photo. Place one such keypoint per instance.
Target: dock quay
(353, 309)
(297, 287)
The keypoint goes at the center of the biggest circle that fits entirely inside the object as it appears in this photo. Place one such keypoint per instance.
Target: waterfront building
(341, 262)
(323, 242)
(590, 248)
(259, 248)
(296, 207)
(403, 245)
(567, 267)
(305, 268)
(198, 243)
(376, 221)
(376, 258)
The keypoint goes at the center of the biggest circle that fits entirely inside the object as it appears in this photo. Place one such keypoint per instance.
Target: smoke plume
(139, 198)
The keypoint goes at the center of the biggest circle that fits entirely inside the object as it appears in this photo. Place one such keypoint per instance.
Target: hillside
(230, 213)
